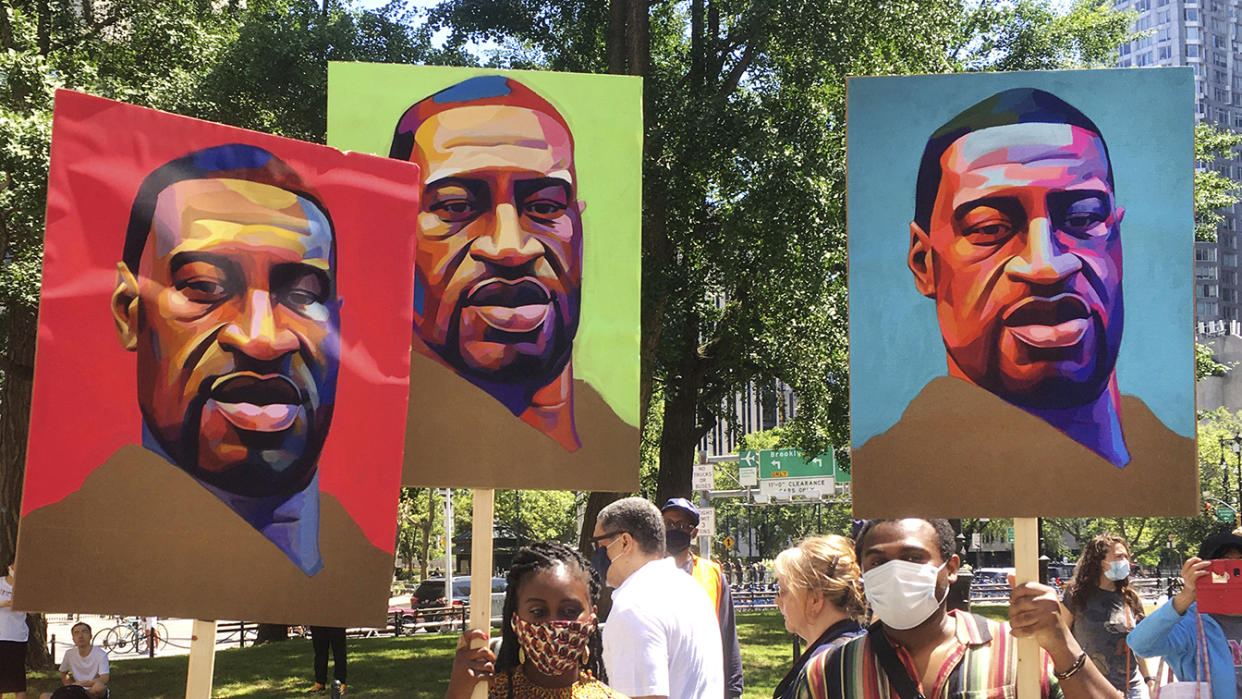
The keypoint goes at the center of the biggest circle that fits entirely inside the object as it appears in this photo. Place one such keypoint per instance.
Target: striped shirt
(982, 665)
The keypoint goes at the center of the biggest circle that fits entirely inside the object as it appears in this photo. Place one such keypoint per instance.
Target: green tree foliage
(260, 64)
(531, 515)
(744, 240)
(1167, 541)
(1034, 35)
(273, 76)
(1214, 191)
(1206, 364)
(744, 218)
(744, 169)
(539, 514)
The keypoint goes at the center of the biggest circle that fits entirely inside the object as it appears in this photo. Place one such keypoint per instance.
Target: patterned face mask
(554, 647)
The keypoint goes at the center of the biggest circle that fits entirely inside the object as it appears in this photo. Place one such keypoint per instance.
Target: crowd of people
(873, 614)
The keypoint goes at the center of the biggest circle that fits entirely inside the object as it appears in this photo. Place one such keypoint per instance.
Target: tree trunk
(617, 12)
(15, 422)
(43, 26)
(596, 502)
(14, 426)
(88, 13)
(271, 632)
(629, 52)
(657, 251)
(6, 28)
(38, 655)
(678, 441)
(639, 45)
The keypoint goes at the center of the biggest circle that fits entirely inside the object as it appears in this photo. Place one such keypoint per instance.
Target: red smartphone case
(1219, 595)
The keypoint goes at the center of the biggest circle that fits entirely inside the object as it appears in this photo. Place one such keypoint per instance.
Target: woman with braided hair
(1103, 609)
(550, 646)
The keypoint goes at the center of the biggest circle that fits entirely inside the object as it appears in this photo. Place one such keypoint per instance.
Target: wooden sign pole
(481, 570)
(1026, 569)
(202, 660)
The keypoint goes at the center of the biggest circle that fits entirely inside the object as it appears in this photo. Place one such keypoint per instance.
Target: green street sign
(788, 463)
(1225, 513)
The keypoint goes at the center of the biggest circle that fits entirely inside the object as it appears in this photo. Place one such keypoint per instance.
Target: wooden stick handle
(202, 660)
(481, 570)
(1026, 569)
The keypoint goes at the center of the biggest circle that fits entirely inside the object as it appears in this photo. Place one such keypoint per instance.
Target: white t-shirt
(82, 669)
(662, 637)
(12, 624)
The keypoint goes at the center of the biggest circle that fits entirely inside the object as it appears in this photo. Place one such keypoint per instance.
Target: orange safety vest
(711, 577)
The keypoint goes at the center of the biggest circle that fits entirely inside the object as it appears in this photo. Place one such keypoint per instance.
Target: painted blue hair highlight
(481, 87)
(231, 156)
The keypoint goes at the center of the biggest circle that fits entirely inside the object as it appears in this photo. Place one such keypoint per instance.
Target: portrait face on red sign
(224, 329)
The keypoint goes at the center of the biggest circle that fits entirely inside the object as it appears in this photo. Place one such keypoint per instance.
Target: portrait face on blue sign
(987, 294)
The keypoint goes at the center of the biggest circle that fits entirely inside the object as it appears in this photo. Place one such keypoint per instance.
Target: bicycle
(130, 637)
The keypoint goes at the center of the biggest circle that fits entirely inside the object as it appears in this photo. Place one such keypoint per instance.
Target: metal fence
(753, 600)
(1149, 589)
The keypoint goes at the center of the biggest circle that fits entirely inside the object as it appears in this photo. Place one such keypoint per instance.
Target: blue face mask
(1117, 570)
(601, 561)
(676, 541)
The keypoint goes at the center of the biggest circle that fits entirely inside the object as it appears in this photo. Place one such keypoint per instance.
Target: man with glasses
(681, 528)
(662, 639)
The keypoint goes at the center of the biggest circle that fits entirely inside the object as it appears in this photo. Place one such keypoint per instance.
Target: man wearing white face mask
(916, 648)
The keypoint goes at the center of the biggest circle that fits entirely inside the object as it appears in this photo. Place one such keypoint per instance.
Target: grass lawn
(767, 652)
(378, 667)
(404, 667)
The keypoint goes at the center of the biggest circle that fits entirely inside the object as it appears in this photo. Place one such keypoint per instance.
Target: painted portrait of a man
(526, 268)
(498, 271)
(226, 301)
(1017, 240)
(227, 297)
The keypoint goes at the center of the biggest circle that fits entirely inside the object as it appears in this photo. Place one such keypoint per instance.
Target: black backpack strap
(898, 676)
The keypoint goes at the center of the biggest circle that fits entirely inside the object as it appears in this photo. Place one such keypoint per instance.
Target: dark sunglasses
(610, 535)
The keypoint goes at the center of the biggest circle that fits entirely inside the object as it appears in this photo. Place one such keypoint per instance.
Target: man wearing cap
(681, 527)
(1172, 630)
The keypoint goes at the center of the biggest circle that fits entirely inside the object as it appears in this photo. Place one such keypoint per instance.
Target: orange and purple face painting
(1022, 254)
(498, 272)
(526, 301)
(988, 372)
(232, 311)
(253, 421)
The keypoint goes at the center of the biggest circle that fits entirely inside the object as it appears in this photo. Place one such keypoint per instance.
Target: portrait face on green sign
(525, 306)
(498, 273)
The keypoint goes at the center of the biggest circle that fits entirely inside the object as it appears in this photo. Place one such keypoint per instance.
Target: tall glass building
(1207, 36)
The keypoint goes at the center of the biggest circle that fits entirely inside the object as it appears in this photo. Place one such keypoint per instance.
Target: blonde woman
(819, 591)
